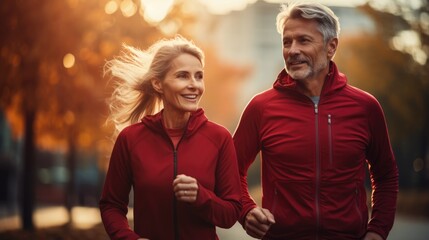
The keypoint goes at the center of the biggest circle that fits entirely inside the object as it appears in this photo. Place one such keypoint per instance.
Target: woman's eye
(199, 76)
(181, 75)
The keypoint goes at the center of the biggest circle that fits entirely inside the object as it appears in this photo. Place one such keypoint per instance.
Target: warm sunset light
(409, 41)
(155, 11)
(68, 60)
(329, 2)
(225, 6)
(65, 63)
(128, 8)
(111, 7)
(69, 118)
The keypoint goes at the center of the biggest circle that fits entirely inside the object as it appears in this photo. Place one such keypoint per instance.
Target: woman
(182, 167)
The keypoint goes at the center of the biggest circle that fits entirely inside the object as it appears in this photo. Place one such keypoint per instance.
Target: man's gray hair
(328, 22)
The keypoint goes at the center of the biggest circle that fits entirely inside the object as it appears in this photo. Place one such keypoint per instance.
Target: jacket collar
(334, 81)
(196, 120)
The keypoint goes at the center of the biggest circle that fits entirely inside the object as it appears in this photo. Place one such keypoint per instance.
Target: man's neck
(312, 87)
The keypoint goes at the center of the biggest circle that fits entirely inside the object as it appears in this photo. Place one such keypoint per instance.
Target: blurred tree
(222, 81)
(391, 63)
(52, 54)
(19, 63)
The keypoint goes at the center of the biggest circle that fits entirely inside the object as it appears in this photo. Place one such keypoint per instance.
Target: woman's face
(183, 85)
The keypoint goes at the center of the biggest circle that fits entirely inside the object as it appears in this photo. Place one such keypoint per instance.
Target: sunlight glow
(83, 218)
(128, 8)
(169, 28)
(424, 22)
(154, 11)
(225, 6)
(409, 41)
(111, 7)
(349, 3)
(68, 60)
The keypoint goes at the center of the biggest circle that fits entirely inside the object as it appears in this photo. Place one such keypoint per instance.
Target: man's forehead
(299, 26)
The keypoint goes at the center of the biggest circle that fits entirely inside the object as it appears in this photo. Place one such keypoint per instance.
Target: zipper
(316, 122)
(175, 219)
(330, 138)
(175, 172)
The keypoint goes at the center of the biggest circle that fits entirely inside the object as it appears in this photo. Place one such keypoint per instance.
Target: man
(316, 135)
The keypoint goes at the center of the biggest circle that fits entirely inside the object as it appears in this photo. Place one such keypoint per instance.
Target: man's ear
(332, 47)
(156, 84)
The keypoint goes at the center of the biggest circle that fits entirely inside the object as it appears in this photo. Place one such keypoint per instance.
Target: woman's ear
(156, 84)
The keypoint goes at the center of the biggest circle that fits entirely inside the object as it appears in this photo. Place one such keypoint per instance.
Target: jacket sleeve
(247, 146)
(114, 199)
(383, 173)
(222, 206)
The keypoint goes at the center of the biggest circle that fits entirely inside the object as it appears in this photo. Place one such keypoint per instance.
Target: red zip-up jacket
(314, 160)
(145, 159)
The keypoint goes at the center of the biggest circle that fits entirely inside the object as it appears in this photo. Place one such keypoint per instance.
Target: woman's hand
(185, 188)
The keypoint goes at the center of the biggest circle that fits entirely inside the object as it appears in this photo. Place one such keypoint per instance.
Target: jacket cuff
(203, 195)
(244, 211)
(378, 231)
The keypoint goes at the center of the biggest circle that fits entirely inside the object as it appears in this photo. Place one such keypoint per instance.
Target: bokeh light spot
(128, 8)
(154, 11)
(68, 60)
(418, 164)
(111, 7)
(69, 118)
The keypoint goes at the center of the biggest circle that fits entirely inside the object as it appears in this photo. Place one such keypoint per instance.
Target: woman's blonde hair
(133, 96)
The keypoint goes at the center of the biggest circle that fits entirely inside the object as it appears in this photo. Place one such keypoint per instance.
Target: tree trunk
(28, 173)
(71, 166)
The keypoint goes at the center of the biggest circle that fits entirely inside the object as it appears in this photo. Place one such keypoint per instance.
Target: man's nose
(294, 48)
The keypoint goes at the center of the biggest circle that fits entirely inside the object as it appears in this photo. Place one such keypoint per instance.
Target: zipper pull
(329, 119)
(316, 109)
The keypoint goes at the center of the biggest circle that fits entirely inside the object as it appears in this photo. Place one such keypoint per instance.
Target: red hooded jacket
(144, 158)
(314, 160)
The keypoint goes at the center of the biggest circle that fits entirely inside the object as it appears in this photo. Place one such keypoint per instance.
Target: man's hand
(258, 221)
(372, 236)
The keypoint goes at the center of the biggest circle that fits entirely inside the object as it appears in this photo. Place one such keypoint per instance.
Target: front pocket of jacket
(292, 206)
(343, 208)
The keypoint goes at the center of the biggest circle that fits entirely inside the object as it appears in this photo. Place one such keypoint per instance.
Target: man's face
(304, 51)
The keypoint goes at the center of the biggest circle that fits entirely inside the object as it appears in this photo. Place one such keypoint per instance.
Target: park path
(405, 228)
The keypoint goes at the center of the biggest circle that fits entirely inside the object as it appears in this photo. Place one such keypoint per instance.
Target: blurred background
(55, 145)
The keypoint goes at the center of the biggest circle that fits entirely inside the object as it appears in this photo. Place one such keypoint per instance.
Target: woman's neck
(175, 120)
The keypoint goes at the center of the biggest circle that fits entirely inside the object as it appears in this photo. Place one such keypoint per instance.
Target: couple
(314, 131)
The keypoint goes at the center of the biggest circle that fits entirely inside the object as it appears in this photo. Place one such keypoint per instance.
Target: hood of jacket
(334, 81)
(196, 120)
